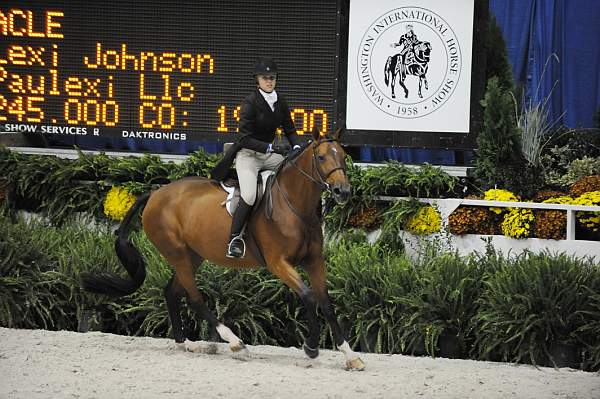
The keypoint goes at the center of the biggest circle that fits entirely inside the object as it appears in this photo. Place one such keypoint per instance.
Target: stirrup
(238, 240)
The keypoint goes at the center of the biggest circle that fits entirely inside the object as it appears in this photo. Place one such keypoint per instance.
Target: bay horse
(186, 221)
(416, 63)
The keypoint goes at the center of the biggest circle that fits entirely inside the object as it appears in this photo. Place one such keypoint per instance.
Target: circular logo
(409, 62)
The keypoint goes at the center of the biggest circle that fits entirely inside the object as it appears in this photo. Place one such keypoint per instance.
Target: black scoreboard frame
(406, 139)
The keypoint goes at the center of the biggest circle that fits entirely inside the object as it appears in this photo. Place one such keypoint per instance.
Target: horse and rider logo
(413, 59)
(413, 48)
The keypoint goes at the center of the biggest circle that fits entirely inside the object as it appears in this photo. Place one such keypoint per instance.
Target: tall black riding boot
(237, 246)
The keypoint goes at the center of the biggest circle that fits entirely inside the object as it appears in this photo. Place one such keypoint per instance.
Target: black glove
(294, 151)
(281, 149)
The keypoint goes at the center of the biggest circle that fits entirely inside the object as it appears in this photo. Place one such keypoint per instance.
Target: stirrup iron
(236, 239)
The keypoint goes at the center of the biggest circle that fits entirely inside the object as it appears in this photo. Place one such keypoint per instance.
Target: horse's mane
(293, 156)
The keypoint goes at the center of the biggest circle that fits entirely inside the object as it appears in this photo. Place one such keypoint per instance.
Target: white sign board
(409, 65)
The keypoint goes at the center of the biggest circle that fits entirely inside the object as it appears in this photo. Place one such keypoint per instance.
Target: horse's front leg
(318, 281)
(286, 273)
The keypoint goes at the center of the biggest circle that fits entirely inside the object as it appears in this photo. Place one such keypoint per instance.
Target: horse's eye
(320, 158)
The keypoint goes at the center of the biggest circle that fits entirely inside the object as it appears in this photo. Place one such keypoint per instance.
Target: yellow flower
(499, 195)
(117, 202)
(565, 199)
(590, 220)
(427, 220)
(517, 223)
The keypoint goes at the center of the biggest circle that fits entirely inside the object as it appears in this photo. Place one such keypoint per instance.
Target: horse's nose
(341, 193)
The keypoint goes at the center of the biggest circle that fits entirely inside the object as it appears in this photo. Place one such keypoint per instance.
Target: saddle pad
(233, 192)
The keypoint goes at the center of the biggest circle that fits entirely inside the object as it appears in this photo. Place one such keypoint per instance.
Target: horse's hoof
(310, 352)
(239, 351)
(238, 347)
(355, 365)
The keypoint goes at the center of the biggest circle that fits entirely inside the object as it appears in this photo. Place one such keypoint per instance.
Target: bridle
(321, 183)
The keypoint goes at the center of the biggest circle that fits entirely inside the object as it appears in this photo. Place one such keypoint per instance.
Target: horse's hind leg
(173, 294)
(184, 272)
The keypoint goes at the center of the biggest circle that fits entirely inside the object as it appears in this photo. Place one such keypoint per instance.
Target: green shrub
(198, 163)
(498, 63)
(442, 302)
(574, 143)
(589, 331)
(530, 304)
(499, 160)
(575, 170)
(336, 216)
(366, 286)
(47, 184)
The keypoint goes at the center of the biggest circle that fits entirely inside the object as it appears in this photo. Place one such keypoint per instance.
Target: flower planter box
(470, 243)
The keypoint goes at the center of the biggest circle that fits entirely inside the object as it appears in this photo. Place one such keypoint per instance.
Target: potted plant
(530, 309)
(439, 307)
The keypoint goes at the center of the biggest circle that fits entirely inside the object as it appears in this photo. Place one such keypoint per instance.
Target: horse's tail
(111, 283)
(387, 70)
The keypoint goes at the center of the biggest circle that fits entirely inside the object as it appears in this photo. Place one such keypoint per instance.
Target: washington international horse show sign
(409, 65)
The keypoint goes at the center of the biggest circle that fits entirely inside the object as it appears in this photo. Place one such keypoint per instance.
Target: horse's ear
(337, 135)
(316, 133)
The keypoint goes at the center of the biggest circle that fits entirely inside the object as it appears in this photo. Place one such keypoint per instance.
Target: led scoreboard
(160, 71)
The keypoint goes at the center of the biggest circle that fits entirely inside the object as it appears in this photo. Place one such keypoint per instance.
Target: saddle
(263, 193)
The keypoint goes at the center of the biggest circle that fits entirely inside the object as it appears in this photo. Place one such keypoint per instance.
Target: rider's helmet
(409, 29)
(265, 66)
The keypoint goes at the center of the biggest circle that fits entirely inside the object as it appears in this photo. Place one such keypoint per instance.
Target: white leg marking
(228, 335)
(349, 353)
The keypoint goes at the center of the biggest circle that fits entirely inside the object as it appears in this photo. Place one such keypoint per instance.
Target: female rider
(262, 112)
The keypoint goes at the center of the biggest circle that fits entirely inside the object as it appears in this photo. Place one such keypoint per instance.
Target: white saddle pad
(230, 204)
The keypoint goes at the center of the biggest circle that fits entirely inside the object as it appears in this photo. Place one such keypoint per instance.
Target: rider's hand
(297, 149)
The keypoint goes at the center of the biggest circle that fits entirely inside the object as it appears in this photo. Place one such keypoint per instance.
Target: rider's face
(267, 83)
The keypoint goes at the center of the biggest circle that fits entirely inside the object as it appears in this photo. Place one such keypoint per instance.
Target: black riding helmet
(265, 66)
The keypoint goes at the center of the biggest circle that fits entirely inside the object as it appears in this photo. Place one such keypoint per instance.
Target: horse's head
(423, 51)
(329, 164)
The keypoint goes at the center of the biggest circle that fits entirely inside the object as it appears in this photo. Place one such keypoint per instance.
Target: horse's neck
(303, 194)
